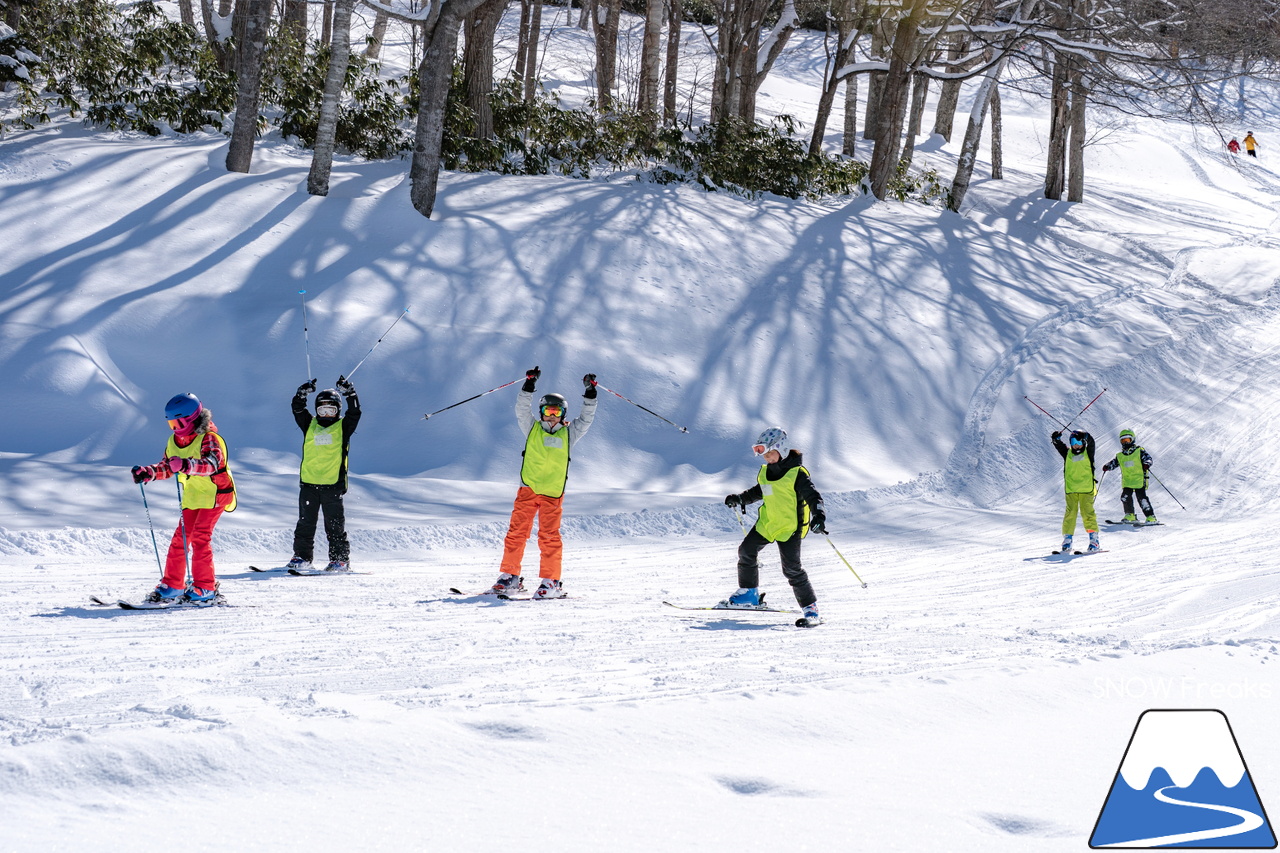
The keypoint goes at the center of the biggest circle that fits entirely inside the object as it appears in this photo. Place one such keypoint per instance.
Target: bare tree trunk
(651, 62)
(587, 15)
(875, 85)
(248, 84)
(830, 83)
(214, 22)
(331, 100)
(893, 101)
(1075, 181)
(477, 63)
(531, 61)
(849, 141)
(522, 39)
(607, 17)
(185, 8)
(997, 136)
(373, 49)
(756, 69)
(1059, 105)
(944, 116)
(294, 21)
(919, 91)
(675, 11)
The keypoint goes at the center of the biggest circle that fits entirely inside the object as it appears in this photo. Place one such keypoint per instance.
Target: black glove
(345, 386)
(734, 500)
(590, 382)
(818, 520)
(531, 379)
(1056, 434)
(306, 388)
(143, 474)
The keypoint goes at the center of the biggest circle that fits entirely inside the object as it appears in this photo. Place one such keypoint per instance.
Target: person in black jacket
(323, 475)
(792, 507)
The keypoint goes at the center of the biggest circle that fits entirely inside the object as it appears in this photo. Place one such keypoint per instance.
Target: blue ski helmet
(181, 406)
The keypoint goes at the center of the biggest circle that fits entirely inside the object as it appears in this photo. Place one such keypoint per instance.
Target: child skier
(197, 454)
(1233, 146)
(1251, 145)
(1133, 462)
(323, 475)
(792, 507)
(1081, 485)
(548, 446)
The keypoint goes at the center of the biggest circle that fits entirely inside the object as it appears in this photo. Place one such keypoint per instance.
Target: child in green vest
(1133, 462)
(1080, 484)
(549, 442)
(322, 477)
(792, 507)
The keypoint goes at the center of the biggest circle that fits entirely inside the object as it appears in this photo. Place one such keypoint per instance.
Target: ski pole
(742, 511)
(846, 562)
(638, 406)
(1085, 409)
(476, 397)
(1037, 405)
(306, 339)
(152, 528)
(1166, 488)
(375, 346)
(182, 522)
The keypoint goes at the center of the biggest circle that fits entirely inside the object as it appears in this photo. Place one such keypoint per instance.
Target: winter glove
(531, 379)
(734, 500)
(590, 382)
(1055, 435)
(143, 474)
(345, 386)
(306, 388)
(818, 520)
(178, 464)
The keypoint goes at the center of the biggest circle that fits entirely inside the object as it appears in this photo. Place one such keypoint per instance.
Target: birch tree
(331, 100)
(248, 85)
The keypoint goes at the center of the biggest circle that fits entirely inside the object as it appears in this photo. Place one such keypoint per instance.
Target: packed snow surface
(977, 695)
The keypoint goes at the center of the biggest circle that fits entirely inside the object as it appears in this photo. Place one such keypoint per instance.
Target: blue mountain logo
(1183, 783)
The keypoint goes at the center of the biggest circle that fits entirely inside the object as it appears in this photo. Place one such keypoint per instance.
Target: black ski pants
(311, 500)
(1126, 498)
(789, 549)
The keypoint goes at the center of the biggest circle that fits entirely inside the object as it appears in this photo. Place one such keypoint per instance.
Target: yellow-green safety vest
(1077, 473)
(778, 514)
(202, 492)
(1131, 473)
(546, 461)
(322, 453)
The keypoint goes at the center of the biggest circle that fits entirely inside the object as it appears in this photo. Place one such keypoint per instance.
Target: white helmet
(774, 438)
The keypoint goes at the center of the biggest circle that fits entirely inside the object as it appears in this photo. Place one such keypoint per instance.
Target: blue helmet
(181, 406)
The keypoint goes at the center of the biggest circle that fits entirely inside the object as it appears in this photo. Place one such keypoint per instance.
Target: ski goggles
(178, 424)
(1077, 442)
(553, 411)
(759, 449)
(328, 410)
(1126, 441)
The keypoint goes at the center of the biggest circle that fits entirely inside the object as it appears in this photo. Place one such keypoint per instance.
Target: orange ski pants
(197, 531)
(530, 505)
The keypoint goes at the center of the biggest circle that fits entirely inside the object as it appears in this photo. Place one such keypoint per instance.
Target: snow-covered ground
(975, 696)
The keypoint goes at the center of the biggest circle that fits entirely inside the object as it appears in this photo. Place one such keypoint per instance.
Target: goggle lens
(327, 411)
(759, 449)
(1127, 440)
(175, 423)
(552, 411)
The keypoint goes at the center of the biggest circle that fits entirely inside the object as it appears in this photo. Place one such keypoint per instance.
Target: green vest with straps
(779, 515)
(322, 453)
(1077, 472)
(1132, 474)
(201, 492)
(546, 461)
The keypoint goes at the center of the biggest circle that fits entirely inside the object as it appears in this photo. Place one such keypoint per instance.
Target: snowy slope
(975, 696)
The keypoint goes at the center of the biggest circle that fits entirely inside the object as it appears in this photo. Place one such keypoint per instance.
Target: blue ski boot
(743, 599)
(1094, 545)
(1066, 545)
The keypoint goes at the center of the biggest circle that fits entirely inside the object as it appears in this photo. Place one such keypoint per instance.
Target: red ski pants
(198, 524)
(547, 510)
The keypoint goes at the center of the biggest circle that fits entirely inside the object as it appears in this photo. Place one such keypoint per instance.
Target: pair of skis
(305, 573)
(175, 604)
(802, 622)
(501, 596)
(1137, 523)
